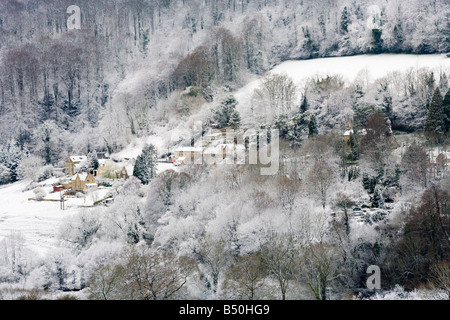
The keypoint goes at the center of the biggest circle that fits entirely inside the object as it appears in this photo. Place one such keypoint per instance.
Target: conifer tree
(446, 111)
(145, 166)
(345, 20)
(223, 115)
(434, 122)
(398, 37)
(312, 127)
(304, 104)
(377, 201)
(235, 120)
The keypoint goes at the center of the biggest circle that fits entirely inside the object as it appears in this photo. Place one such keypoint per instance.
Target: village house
(83, 182)
(185, 155)
(73, 164)
(123, 174)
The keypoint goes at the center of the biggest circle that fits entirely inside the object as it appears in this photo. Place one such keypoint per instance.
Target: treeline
(66, 78)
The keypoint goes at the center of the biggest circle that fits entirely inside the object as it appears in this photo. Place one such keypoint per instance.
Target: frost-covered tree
(377, 143)
(446, 111)
(416, 164)
(222, 115)
(11, 156)
(235, 120)
(78, 231)
(434, 122)
(345, 21)
(145, 166)
(312, 127)
(304, 104)
(280, 260)
(91, 163)
(321, 176)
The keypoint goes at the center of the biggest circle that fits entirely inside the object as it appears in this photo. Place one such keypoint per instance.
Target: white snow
(366, 68)
(38, 221)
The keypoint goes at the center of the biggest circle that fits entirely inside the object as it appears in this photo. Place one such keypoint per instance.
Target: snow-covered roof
(362, 132)
(348, 132)
(82, 175)
(78, 158)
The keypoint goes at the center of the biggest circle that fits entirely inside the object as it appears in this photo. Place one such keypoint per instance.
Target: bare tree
(245, 278)
(321, 176)
(153, 275)
(279, 90)
(344, 202)
(319, 268)
(440, 276)
(279, 258)
(377, 144)
(213, 260)
(416, 164)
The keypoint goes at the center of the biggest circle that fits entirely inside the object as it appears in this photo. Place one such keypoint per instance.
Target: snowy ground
(365, 68)
(38, 222)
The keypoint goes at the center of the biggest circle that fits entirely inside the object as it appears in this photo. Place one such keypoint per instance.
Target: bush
(39, 193)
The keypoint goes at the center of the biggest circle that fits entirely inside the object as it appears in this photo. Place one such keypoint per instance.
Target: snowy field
(364, 68)
(38, 222)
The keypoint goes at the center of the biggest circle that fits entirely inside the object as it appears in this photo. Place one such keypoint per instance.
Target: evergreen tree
(312, 127)
(145, 166)
(398, 37)
(10, 157)
(91, 162)
(222, 116)
(366, 181)
(304, 104)
(345, 20)
(446, 111)
(377, 200)
(47, 146)
(434, 122)
(377, 41)
(235, 120)
(386, 104)
(309, 45)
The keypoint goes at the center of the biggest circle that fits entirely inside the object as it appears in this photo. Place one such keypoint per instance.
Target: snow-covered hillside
(363, 68)
(37, 222)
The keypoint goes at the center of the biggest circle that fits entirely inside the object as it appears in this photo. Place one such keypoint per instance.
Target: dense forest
(137, 68)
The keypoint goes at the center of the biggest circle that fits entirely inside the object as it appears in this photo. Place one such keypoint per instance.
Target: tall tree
(222, 116)
(145, 166)
(321, 176)
(345, 21)
(377, 143)
(304, 104)
(235, 120)
(434, 122)
(312, 127)
(415, 163)
(446, 111)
